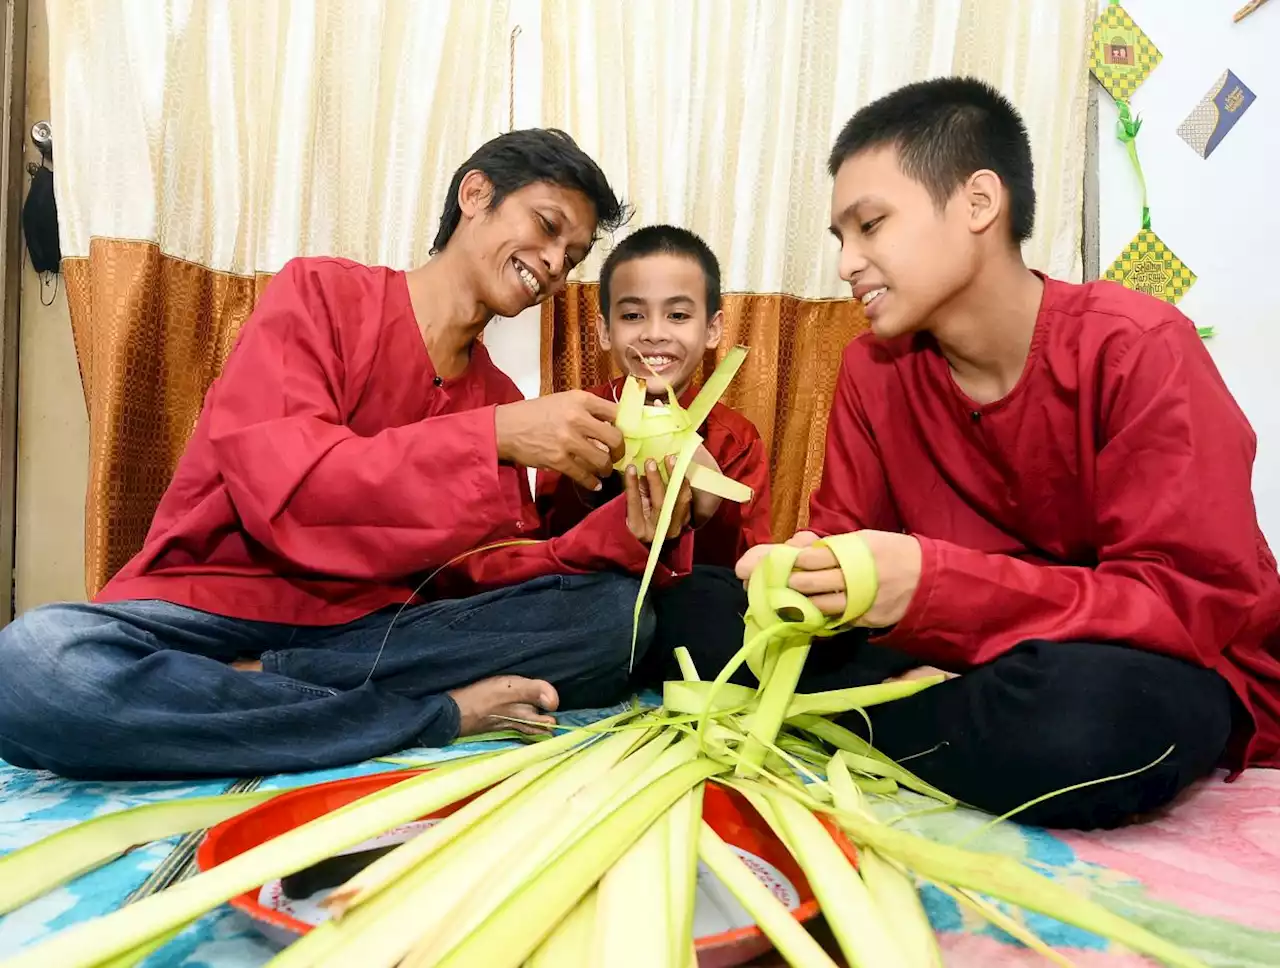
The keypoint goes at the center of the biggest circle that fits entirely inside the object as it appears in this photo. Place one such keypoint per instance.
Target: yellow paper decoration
(1122, 56)
(1147, 265)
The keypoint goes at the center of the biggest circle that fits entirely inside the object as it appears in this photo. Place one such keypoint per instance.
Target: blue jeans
(143, 689)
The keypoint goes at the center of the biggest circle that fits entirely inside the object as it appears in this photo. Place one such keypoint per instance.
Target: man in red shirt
(1055, 484)
(357, 449)
(660, 296)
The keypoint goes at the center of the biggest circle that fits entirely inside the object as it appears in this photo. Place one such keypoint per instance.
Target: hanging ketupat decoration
(1147, 265)
(1121, 58)
(580, 849)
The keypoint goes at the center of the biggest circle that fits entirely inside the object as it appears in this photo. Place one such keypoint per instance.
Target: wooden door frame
(13, 100)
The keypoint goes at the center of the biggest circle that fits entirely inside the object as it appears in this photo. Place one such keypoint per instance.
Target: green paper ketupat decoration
(1122, 58)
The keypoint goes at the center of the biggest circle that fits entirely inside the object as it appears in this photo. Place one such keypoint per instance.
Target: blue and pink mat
(1205, 874)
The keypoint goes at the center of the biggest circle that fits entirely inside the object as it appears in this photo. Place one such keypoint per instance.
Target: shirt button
(438, 381)
(519, 525)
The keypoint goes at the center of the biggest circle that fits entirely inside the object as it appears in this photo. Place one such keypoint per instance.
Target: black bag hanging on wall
(40, 221)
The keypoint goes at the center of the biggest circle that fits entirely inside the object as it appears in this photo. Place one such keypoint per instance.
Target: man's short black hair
(519, 158)
(945, 129)
(662, 240)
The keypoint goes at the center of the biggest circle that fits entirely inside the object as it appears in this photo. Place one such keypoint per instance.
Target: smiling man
(358, 447)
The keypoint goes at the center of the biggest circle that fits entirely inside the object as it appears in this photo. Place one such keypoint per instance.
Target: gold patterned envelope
(1122, 55)
(1148, 266)
(1217, 114)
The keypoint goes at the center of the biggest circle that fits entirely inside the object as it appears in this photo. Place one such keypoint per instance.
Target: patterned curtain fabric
(718, 115)
(201, 146)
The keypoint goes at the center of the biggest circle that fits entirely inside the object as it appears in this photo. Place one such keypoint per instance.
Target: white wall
(515, 345)
(1220, 215)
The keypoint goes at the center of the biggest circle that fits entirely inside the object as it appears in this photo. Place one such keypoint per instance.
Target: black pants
(1042, 717)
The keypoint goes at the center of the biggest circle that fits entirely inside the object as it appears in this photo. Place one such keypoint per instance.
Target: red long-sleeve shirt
(735, 444)
(1106, 498)
(332, 469)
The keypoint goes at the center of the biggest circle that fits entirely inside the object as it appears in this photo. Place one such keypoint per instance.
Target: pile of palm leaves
(582, 848)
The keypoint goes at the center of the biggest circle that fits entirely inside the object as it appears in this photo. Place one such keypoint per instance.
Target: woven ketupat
(1122, 56)
(1147, 265)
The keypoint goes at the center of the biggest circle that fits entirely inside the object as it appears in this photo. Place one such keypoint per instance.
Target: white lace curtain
(719, 114)
(240, 134)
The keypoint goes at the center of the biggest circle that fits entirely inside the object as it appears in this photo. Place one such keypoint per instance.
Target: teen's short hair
(945, 129)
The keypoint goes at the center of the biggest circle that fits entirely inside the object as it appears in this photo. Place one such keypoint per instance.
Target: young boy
(1054, 482)
(660, 301)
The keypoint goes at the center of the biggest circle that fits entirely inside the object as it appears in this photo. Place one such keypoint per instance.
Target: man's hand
(570, 432)
(817, 575)
(705, 504)
(644, 502)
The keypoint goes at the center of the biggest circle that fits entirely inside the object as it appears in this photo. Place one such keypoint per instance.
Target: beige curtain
(203, 144)
(718, 115)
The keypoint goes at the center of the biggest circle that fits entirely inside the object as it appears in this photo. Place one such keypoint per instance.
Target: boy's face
(903, 256)
(659, 316)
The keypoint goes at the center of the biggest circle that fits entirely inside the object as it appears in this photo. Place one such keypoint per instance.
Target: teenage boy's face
(902, 255)
(657, 327)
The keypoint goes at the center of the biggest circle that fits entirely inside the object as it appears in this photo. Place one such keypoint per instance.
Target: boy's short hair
(519, 158)
(662, 240)
(945, 129)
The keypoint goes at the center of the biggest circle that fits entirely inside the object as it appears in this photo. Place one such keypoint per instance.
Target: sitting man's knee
(44, 659)
(30, 643)
(28, 656)
(608, 613)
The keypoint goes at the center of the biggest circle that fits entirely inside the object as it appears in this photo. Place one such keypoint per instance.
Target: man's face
(527, 245)
(902, 255)
(657, 328)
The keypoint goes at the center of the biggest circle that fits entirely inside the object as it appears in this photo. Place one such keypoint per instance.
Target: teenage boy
(1055, 484)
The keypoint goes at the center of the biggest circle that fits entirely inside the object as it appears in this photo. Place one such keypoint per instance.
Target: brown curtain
(151, 333)
(784, 387)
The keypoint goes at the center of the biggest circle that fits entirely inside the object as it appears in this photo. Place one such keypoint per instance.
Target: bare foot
(482, 703)
(247, 665)
(921, 672)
